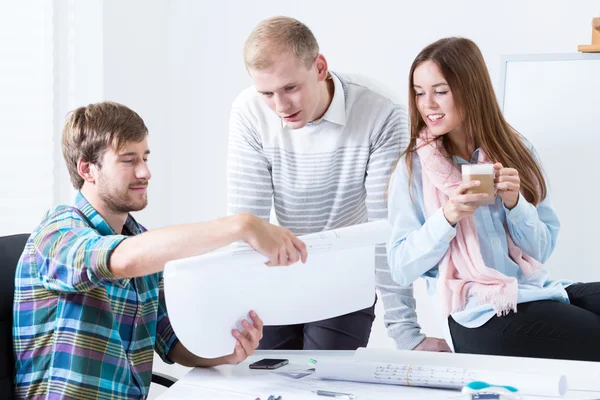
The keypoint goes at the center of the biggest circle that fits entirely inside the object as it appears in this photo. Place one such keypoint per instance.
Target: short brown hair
(90, 130)
(276, 35)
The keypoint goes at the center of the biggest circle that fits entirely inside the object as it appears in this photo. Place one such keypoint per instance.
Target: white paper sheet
(207, 296)
(580, 375)
(255, 384)
(446, 377)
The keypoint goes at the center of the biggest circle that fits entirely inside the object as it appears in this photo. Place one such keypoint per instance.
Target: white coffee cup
(484, 173)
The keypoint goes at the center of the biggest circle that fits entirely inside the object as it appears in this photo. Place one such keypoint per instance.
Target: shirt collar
(336, 112)
(131, 226)
(474, 158)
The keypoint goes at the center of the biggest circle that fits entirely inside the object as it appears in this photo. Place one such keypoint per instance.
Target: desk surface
(240, 382)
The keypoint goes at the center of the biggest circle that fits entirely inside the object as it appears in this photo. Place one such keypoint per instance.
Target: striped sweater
(329, 174)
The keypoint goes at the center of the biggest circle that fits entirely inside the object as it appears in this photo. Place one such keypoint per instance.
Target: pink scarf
(462, 271)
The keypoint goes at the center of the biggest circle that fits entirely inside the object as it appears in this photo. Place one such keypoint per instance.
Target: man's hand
(433, 344)
(247, 341)
(279, 244)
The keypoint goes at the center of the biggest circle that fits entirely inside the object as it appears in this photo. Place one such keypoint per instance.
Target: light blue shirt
(418, 243)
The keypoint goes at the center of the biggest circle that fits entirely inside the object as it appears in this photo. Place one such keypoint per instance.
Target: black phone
(269, 363)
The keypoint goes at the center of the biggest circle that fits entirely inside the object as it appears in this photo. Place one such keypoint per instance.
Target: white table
(240, 382)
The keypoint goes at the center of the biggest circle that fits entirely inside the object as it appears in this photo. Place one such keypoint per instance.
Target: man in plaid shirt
(89, 303)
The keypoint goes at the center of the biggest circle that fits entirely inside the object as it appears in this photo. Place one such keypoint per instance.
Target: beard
(121, 200)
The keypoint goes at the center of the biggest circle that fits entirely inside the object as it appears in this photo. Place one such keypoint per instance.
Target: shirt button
(495, 242)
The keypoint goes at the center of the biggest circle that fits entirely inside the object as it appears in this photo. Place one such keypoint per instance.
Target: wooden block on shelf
(589, 48)
(595, 46)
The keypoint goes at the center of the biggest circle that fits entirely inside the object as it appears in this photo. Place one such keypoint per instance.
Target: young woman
(484, 264)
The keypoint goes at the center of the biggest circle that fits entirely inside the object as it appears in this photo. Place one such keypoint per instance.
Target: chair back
(11, 248)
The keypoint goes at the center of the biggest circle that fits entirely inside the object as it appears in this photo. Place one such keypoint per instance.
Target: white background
(179, 64)
(560, 117)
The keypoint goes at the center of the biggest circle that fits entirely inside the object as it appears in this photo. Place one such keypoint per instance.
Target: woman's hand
(507, 184)
(460, 204)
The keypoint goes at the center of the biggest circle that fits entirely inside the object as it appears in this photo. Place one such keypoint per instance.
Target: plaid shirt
(80, 333)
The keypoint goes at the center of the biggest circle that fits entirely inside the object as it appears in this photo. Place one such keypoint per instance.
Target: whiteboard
(554, 101)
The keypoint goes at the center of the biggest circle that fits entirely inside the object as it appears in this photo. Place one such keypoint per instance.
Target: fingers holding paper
(246, 341)
(290, 251)
(300, 246)
(279, 244)
(254, 329)
(295, 249)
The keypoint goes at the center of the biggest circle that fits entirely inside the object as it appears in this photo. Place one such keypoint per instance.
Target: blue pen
(483, 388)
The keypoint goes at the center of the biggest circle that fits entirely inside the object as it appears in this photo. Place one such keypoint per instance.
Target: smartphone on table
(269, 363)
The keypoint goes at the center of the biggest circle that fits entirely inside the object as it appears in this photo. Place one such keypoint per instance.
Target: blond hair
(277, 35)
(90, 130)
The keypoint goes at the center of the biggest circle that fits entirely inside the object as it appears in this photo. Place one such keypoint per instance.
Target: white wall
(26, 115)
(179, 64)
(79, 74)
(532, 82)
(136, 59)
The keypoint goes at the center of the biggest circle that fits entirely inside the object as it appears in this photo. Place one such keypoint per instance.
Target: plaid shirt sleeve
(71, 256)
(165, 336)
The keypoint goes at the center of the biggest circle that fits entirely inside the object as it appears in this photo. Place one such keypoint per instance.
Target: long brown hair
(463, 67)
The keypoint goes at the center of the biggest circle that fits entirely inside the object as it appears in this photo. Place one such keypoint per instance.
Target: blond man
(317, 147)
(89, 303)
